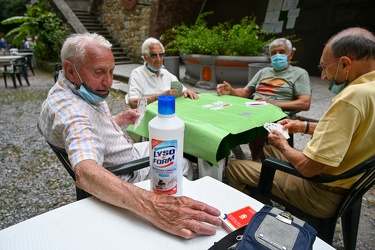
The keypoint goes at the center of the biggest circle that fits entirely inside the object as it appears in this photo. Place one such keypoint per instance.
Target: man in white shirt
(151, 79)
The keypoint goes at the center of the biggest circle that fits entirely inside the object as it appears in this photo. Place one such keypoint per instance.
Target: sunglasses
(154, 55)
(323, 66)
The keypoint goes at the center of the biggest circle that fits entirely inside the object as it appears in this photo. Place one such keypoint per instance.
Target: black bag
(270, 228)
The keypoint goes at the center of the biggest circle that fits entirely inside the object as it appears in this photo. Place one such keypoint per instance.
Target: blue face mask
(337, 88)
(88, 93)
(279, 61)
(154, 69)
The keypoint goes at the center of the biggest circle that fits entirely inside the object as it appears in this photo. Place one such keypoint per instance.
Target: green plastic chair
(349, 210)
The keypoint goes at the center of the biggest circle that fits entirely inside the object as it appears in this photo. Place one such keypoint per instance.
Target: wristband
(307, 127)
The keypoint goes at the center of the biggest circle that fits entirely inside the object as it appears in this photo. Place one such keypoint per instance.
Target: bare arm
(181, 216)
(226, 89)
(297, 126)
(301, 103)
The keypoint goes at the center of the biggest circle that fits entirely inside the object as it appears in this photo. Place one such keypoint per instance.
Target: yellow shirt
(345, 135)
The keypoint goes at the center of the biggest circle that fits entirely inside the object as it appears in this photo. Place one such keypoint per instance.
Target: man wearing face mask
(152, 79)
(343, 137)
(283, 85)
(76, 118)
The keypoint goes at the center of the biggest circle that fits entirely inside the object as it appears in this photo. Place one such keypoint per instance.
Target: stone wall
(147, 18)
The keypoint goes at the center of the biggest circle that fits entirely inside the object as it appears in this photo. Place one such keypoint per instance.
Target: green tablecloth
(215, 124)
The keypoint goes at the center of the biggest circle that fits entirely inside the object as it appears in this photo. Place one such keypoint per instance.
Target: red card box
(238, 218)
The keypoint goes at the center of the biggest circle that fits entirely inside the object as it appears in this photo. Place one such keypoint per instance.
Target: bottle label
(164, 166)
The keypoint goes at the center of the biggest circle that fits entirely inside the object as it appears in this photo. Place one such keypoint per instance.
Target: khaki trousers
(305, 195)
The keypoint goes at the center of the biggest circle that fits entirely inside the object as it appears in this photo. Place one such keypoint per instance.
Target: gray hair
(356, 43)
(74, 47)
(281, 41)
(148, 42)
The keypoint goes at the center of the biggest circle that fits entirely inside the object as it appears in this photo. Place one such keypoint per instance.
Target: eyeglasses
(154, 55)
(323, 66)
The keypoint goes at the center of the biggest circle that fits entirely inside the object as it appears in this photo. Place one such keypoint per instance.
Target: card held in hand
(276, 126)
(177, 86)
(141, 110)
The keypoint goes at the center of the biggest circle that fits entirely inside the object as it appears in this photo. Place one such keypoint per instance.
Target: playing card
(256, 103)
(275, 126)
(141, 110)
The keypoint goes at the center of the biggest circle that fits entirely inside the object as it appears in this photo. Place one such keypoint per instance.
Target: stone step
(98, 30)
(123, 62)
(116, 51)
(90, 23)
(122, 58)
(93, 25)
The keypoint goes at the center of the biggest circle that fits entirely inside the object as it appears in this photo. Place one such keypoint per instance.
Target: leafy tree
(38, 21)
(11, 8)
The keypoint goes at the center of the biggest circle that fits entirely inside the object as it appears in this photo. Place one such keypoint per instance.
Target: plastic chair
(349, 210)
(58, 67)
(18, 68)
(29, 63)
(120, 169)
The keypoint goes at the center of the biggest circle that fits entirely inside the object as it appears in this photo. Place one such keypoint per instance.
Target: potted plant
(222, 52)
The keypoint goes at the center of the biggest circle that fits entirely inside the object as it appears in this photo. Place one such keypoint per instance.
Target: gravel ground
(32, 180)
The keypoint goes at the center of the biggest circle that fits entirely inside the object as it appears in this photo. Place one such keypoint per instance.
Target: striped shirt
(85, 131)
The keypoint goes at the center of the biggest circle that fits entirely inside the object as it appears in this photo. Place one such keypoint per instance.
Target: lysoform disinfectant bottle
(166, 135)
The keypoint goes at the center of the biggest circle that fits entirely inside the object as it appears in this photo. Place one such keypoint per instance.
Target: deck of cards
(276, 126)
(178, 86)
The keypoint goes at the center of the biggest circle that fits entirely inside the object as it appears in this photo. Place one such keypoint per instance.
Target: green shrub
(243, 39)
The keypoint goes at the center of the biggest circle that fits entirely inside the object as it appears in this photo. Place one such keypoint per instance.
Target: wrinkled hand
(293, 126)
(191, 94)
(224, 88)
(277, 139)
(183, 216)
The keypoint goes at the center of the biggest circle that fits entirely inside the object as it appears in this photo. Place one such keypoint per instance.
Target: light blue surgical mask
(153, 68)
(337, 88)
(88, 93)
(279, 61)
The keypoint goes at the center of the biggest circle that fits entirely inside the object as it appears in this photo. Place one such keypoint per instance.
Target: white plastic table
(92, 224)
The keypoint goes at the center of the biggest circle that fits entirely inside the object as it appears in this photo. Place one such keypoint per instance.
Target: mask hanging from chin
(337, 88)
(279, 61)
(153, 68)
(88, 93)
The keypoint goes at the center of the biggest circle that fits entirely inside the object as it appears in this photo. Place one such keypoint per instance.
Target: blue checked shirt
(85, 131)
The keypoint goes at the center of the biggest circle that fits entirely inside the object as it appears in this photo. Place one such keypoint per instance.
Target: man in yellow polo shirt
(343, 138)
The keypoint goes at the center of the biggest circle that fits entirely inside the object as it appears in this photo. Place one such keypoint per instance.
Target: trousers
(308, 196)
